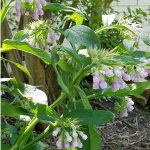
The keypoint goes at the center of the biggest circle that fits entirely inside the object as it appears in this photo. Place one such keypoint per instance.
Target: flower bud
(124, 114)
(68, 137)
(66, 145)
(96, 80)
(80, 145)
(116, 86)
(75, 143)
(84, 137)
(117, 72)
(103, 84)
(35, 15)
(108, 72)
(74, 134)
(125, 77)
(59, 144)
(122, 84)
(56, 131)
(41, 12)
(18, 13)
(130, 107)
(17, 5)
(143, 74)
(38, 4)
(43, 2)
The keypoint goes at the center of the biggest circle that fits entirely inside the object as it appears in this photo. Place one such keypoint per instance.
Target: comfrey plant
(70, 118)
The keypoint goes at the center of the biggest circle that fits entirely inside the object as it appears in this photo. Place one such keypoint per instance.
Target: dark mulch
(129, 133)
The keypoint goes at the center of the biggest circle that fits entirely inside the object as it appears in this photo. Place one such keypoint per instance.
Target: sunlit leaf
(25, 47)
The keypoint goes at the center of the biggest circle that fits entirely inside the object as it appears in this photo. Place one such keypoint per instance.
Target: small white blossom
(68, 137)
(56, 131)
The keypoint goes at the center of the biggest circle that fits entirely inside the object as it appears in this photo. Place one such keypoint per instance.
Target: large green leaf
(93, 141)
(60, 7)
(25, 47)
(91, 117)
(8, 109)
(82, 35)
(21, 67)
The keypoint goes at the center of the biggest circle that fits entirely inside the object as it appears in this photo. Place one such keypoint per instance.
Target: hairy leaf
(25, 47)
(82, 35)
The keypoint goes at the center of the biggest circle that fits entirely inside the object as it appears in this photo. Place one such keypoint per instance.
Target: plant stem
(58, 100)
(45, 133)
(31, 125)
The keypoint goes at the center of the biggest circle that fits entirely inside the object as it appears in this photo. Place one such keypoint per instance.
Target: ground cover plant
(60, 62)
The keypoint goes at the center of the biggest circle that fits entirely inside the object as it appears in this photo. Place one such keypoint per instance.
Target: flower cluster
(30, 7)
(116, 77)
(129, 107)
(70, 138)
(41, 35)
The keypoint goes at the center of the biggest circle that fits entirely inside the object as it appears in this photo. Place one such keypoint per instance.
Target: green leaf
(60, 80)
(5, 10)
(25, 47)
(128, 44)
(91, 117)
(93, 141)
(128, 59)
(70, 52)
(84, 98)
(12, 110)
(45, 113)
(82, 35)
(5, 146)
(20, 36)
(39, 146)
(21, 67)
(56, 7)
(146, 41)
(65, 66)
(118, 27)
(61, 7)
(140, 54)
(12, 133)
(77, 18)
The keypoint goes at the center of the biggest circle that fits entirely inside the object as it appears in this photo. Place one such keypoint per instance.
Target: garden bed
(130, 133)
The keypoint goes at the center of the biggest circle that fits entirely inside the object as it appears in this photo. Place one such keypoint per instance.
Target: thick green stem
(31, 125)
(58, 100)
(44, 134)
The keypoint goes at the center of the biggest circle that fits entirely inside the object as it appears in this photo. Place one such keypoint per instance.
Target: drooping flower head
(30, 7)
(69, 137)
(96, 80)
